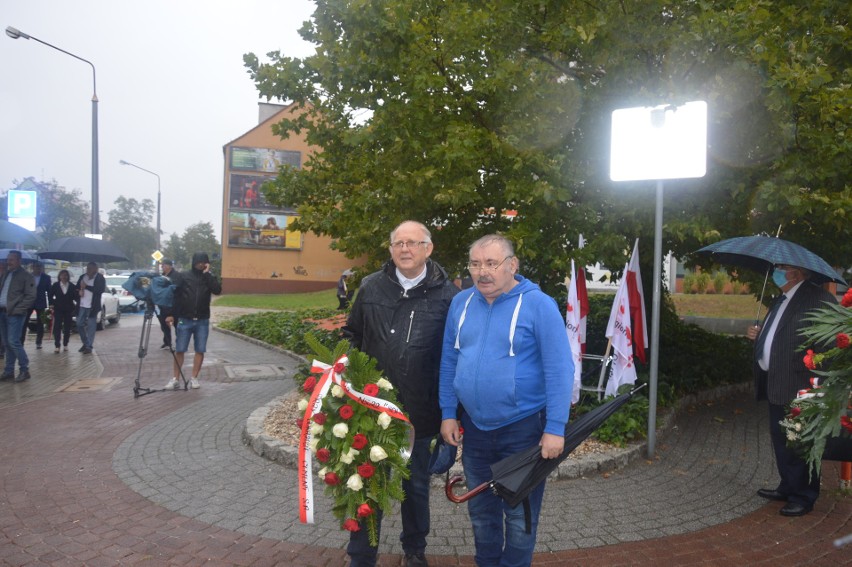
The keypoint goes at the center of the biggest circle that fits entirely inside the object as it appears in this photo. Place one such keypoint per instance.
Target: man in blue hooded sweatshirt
(506, 362)
(191, 314)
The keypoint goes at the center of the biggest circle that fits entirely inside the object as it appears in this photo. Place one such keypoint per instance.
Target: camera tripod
(138, 390)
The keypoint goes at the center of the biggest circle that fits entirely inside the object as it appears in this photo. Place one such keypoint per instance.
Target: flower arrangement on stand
(822, 414)
(355, 430)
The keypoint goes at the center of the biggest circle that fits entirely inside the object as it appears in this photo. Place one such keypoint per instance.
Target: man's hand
(551, 445)
(450, 432)
(753, 332)
(170, 321)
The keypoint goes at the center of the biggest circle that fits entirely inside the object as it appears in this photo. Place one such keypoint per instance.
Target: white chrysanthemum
(384, 420)
(791, 436)
(337, 391)
(377, 454)
(355, 483)
(302, 405)
(340, 430)
(384, 384)
(798, 427)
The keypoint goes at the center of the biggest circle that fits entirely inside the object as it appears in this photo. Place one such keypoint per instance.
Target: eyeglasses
(489, 266)
(410, 244)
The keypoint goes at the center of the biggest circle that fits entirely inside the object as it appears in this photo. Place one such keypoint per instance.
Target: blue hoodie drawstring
(511, 327)
(461, 320)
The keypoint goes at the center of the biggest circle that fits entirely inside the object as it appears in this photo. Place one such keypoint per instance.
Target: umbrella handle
(458, 499)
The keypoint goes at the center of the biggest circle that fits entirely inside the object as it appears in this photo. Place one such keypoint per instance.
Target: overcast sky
(172, 89)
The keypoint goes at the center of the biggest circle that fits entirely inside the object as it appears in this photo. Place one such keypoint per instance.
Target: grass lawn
(282, 301)
(711, 305)
(702, 305)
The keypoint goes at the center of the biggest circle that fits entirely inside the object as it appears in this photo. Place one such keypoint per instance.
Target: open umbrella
(10, 233)
(82, 249)
(26, 256)
(514, 477)
(761, 253)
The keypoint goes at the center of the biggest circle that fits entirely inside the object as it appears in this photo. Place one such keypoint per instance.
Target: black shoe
(772, 495)
(416, 560)
(795, 509)
(24, 375)
(81, 349)
(38, 346)
(86, 351)
(165, 347)
(7, 376)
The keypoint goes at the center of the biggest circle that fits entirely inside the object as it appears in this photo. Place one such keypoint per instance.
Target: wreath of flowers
(361, 449)
(824, 410)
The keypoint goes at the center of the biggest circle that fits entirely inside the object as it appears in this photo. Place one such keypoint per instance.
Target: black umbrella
(514, 477)
(761, 253)
(10, 233)
(82, 249)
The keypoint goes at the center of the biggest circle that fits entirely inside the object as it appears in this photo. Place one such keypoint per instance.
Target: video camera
(151, 288)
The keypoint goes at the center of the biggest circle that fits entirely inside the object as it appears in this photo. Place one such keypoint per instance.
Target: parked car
(126, 300)
(109, 313)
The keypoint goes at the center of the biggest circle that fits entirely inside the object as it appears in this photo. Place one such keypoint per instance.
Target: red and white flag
(619, 331)
(583, 297)
(574, 323)
(637, 306)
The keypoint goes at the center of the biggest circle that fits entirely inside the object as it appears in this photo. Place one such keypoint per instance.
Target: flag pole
(603, 368)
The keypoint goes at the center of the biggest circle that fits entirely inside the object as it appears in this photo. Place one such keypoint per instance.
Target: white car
(126, 300)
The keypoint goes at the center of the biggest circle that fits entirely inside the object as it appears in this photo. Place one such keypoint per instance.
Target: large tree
(199, 237)
(130, 229)
(453, 112)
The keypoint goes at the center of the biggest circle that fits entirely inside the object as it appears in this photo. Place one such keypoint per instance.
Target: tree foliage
(129, 227)
(199, 237)
(451, 112)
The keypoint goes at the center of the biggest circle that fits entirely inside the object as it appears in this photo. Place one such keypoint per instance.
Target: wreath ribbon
(331, 374)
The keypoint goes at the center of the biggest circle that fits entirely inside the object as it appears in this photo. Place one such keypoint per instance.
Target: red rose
(359, 441)
(809, 360)
(319, 418)
(309, 384)
(366, 470)
(331, 479)
(339, 368)
(846, 423)
(371, 390)
(323, 455)
(346, 411)
(847, 298)
(364, 510)
(842, 340)
(299, 422)
(795, 410)
(351, 525)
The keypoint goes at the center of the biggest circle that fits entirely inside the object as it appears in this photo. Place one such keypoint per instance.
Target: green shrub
(688, 282)
(720, 280)
(702, 280)
(737, 287)
(286, 328)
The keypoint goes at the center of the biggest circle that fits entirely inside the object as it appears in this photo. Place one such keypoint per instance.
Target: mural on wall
(263, 159)
(250, 229)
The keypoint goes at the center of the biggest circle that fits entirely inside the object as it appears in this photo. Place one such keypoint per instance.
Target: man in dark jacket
(398, 318)
(780, 372)
(17, 294)
(90, 286)
(42, 285)
(191, 314)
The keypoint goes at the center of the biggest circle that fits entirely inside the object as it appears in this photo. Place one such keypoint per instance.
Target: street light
(15, 34)
(122, 162)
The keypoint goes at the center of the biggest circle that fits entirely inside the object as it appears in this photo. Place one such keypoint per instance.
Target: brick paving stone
(102, 478)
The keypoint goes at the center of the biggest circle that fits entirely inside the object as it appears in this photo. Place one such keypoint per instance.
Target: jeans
(414, 511)
(87, 324)
(198, 329)
(10, 331)
(499, 532)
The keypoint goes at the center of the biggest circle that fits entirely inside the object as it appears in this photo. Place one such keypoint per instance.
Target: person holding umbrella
(17, 294)
(780, 372)
(506, 364)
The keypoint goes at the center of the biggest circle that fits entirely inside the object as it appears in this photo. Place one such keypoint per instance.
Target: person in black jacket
(191, 314)
(90, 287)
(42, 283)
(398, 318)
(63, 301)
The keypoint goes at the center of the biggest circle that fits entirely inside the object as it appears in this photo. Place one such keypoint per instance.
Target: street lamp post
(15, 34)
(122, 162)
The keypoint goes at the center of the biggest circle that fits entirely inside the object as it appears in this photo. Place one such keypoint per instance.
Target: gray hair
(427, 236)
(488, 239)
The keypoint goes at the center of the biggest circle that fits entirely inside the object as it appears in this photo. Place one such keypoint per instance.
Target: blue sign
(22, 204)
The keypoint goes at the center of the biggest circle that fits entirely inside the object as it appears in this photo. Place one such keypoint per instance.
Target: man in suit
(780, 373)
(90, 286)
(42, 283)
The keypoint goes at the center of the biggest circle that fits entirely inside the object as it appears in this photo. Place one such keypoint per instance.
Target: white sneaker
(193, 383)
(173, 384)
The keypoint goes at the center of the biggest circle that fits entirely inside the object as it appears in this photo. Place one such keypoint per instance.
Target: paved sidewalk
(92, 476)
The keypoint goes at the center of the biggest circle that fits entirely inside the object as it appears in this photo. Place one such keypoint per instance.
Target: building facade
(260, 251)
